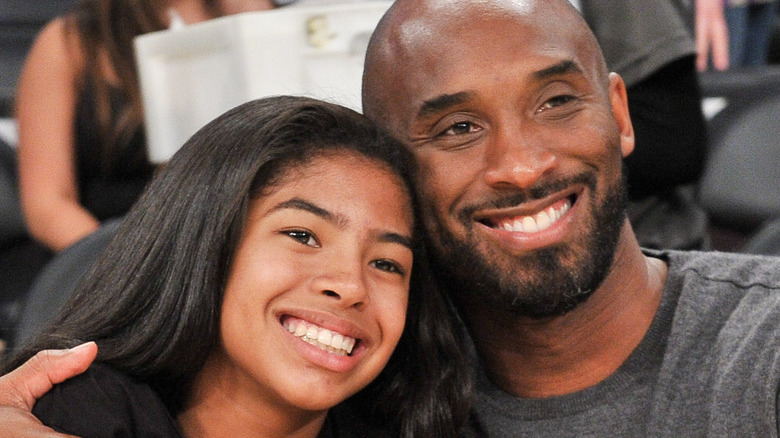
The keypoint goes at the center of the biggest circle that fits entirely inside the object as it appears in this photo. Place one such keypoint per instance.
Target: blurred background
(737, 190)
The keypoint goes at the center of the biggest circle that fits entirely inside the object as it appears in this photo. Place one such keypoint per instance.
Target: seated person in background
(82, 153)
(751, 25)
(261, 280)
(653, 45)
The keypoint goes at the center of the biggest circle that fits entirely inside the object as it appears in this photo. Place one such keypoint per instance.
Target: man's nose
(515, 158)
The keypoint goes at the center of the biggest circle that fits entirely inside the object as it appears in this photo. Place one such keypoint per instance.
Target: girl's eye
(388, 265)
(303, 237)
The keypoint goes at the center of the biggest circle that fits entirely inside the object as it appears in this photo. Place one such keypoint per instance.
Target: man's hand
(20, 388)
(711, 35)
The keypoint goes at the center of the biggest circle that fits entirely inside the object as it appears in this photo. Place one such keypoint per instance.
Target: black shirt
(103, 402)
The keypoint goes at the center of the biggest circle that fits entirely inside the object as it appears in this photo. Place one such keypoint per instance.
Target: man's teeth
(323, 338)
(538, 222)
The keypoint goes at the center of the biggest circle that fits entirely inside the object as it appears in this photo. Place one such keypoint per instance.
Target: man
(520, 133)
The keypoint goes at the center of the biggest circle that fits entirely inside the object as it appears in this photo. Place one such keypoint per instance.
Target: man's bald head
(416, 36)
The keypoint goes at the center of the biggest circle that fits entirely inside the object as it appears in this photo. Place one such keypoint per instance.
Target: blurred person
(263, 279)
(82, 152)
(657, 46)
(750, 24)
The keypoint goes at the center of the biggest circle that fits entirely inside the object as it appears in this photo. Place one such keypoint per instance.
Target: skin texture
(507, 119)
(46, 102)
(325, 249)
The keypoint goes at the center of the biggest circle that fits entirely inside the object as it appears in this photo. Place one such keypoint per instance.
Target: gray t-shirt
(640, 36)
(708, 365)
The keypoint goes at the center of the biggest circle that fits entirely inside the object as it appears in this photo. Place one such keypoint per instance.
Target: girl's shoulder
(344, 421)
(105, 402)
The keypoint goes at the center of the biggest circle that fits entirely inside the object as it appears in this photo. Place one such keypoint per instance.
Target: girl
(262, 279)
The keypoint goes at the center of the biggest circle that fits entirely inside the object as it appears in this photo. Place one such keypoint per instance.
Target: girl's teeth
(321, 337)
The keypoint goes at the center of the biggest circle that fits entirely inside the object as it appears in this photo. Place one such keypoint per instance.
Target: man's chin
(541, 286)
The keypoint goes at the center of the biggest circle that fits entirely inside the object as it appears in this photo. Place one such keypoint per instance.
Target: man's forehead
(445, 29)
(436, 48)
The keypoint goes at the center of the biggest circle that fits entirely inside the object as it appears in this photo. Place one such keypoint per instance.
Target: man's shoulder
(105, 402)
(726, 306)
(741, 271)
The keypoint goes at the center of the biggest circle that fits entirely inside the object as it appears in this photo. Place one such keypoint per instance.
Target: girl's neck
(216, 409)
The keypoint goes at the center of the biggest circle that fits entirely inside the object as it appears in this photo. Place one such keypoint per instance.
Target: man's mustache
(539, 190)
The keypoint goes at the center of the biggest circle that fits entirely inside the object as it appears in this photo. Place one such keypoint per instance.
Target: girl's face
(316, 297)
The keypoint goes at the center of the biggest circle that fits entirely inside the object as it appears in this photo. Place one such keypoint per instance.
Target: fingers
(720, 47)
(711, 35)
(18, 423)
(22, 386)
(702, 50)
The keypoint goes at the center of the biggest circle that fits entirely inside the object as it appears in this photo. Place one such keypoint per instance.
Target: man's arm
(20, 388)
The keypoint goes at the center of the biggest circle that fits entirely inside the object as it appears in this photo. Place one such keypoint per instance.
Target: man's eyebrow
(562, 68)
(301, 204)
(445, 101)
(442, 102)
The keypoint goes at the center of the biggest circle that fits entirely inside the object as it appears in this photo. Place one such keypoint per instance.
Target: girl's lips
(314, 345)
(328, 340)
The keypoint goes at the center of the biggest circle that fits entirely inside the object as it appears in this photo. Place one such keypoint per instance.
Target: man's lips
(532, 222)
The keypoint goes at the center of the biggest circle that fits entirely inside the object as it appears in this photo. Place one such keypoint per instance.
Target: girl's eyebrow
(301, 204)
(339, 220)
(390, 237)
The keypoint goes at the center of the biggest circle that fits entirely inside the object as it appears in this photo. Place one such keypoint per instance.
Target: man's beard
(545, 283)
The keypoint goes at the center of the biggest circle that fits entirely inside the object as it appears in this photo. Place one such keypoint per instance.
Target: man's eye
(459, 129)
(387, 265)
(556, 102)
(303, 237)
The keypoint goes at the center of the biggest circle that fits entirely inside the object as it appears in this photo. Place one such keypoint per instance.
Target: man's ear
(619, 101)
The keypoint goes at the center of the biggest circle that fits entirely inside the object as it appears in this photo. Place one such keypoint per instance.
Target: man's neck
(534, 358)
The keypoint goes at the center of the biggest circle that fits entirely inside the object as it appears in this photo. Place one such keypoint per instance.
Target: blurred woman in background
(82, 149)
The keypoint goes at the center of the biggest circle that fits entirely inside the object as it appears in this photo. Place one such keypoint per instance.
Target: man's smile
(536, 222)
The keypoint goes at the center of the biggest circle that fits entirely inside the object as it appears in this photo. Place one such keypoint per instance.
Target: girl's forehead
(348, 185)
(327, 161)
(346, 166)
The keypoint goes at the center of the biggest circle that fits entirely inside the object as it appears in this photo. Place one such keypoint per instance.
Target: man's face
(514, 126)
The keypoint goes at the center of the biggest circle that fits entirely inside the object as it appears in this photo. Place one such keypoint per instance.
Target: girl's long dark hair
(152, 302)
